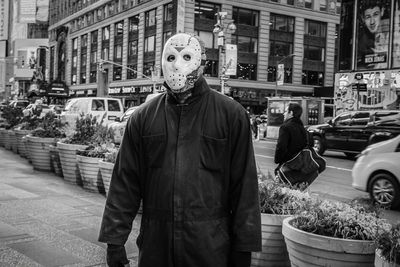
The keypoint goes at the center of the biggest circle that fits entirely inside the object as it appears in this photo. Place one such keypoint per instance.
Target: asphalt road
(333, 183)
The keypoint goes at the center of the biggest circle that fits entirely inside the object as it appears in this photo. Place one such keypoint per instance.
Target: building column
(125, 48)
(140, 45)
(330, 54)
(298, 50)
(263, 46)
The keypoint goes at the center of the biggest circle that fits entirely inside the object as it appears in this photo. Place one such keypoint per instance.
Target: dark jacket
(292, 139)
(193, 165)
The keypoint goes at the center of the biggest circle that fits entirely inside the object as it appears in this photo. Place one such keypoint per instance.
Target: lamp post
(219, 30)
(283, 74)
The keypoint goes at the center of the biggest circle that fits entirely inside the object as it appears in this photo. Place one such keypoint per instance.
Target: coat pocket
(154, 150)
(212, 152)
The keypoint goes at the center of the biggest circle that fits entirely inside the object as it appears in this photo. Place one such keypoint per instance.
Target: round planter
(307, 249)
(106, 169)
(68, 161)
(20, 145)
(90, 173)
(39, 151)
(274, 252)
(55, 161)
(7, 140)
(13, 141)
(2, 136)
(381, 262)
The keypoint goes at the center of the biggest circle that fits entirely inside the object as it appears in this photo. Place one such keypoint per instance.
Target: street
(333, 183)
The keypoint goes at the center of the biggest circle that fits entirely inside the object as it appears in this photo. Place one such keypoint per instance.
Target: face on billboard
(373, 30)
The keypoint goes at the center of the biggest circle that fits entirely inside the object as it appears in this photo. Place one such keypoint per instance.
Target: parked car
(103, 108)
(120, 123)
(351, 132)
(20, 103)
(377, 171)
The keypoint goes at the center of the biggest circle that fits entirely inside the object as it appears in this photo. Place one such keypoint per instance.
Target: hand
(116, 256)
(240, 259)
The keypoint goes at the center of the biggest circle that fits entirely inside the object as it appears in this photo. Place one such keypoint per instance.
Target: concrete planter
(381, 262)
(106, 169)
(69, 165)
(2, 136)
(274, 252)
(90, 173)
(7, 140)
(20, 145)
(55, 161)
(13, 141)
(39, 150)
(307, 249)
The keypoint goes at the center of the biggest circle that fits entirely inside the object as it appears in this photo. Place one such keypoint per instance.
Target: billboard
(4, 19)
(373, 33)
(396, 35)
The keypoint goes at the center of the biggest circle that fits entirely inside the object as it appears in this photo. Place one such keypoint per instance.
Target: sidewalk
(45, 221)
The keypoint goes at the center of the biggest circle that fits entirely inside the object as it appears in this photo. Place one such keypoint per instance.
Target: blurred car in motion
(377, 171)
(120, 123)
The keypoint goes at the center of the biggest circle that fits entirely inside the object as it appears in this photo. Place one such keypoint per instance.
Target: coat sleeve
(281, 150)
(243, 190)
(123, 199)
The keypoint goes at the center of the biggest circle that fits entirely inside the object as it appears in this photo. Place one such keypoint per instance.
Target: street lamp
(282, 72)
(219, 29)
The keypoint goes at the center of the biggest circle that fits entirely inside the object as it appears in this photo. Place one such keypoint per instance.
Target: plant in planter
(388, 248)
(49, 130)
(12, 117)
(27, 125)
(333, 233)
(277, 202)
(106, 166)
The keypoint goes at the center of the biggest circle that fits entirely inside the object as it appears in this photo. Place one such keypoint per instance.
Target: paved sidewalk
(45, 221)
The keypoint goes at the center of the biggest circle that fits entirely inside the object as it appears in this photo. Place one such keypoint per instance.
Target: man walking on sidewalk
(188, 155)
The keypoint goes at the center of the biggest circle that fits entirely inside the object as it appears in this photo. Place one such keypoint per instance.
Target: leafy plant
(340, 220)
(29, 123)
(389, 244)
(98, 151)
(49, 127)
(278, 198)
(111, 156)
(12, 115)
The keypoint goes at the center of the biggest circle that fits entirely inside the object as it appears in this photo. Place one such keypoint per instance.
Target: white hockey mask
(181, 61)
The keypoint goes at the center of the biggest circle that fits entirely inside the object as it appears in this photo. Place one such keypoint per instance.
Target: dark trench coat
(193, 165)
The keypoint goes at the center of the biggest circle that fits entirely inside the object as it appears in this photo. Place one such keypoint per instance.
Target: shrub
(98, 151)
(12, 115)
(50, 127)
(389, 244)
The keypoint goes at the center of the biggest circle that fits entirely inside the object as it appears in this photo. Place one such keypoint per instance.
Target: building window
(209, 39)
(130, 73)
(134, 24)
(290, 2)
(52, 53)
(83, 78)
(117, 73)
(246, 71)
(149, 43)
(150, 18)
(245, 16)
(323, 5)
(315, 28)
(148, 68)
(280, 49)
(168, 10)
(132, 48)
(314, 53)
(75, 44)
(38, 31)
(84, 40)
(313, 77)
(166, 36)
(211, 68)
(119, 28)
(74, 78)
(93, 37)
(83, 60)
(99, 14)
(282, 23)
(93, 57)
(308, 4)
(105, 33)
(206, 10)
(74, 61)
(118, 52)
(93, 76)
(105, 53)
(245, 43)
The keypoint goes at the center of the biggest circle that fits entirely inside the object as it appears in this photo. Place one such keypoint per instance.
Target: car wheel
(385, 190)
(318, 146)
(350, 155)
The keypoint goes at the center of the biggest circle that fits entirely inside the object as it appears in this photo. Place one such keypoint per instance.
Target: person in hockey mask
(187, 154)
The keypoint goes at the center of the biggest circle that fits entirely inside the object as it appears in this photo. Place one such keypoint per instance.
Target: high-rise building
(300, 34)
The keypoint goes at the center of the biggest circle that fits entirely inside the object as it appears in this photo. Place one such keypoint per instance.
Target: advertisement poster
(380, 93)
(373, 31)
(396, 35)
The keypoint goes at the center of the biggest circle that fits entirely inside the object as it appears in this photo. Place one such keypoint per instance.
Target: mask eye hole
(170, 58)
(187, 57)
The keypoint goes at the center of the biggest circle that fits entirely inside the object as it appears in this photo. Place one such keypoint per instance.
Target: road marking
(332, 167)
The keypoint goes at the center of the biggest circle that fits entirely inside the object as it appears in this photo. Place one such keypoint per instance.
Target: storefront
(133, 95)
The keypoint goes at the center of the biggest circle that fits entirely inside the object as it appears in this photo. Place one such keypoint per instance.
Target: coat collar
(200, 88)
